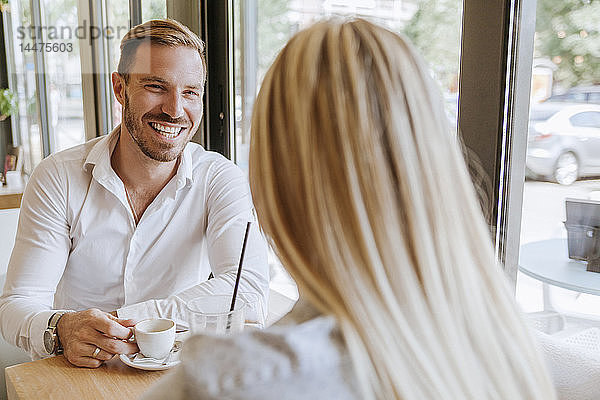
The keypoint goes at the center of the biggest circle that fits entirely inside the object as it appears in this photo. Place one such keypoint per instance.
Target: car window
(538, 115)
(587, 119)
(594, 97)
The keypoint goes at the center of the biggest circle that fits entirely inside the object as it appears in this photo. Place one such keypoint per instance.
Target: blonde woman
(363, 191)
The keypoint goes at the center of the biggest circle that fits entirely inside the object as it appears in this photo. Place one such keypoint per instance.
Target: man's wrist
(52, 342)
(58, 325)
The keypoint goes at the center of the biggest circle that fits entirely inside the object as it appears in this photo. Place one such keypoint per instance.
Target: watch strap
(52, 326)
(53, 321)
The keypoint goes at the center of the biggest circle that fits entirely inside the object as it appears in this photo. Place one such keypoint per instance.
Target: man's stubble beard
(143, 143)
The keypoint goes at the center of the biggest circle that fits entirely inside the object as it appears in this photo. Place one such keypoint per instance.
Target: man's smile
(167, 130)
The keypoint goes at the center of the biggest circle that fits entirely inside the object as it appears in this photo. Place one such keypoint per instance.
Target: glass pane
(117, 17)
(563, 153)
(154, 9)
(24, 77)
(63, 73)
(262, 27)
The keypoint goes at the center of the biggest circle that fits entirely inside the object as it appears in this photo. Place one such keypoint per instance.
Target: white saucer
(148, 365)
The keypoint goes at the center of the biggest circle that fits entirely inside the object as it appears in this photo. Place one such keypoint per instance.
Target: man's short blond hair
(160, 32)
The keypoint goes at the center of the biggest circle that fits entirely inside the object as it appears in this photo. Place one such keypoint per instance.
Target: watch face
(49, 342)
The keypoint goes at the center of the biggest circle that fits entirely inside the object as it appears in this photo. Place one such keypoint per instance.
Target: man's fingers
(87, 362)
(108, 326)
(115, 346)
(84, 331)
(89, 350)
(128, 323)
(80, 355)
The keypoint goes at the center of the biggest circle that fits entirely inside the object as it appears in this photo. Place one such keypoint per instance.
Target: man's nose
(173, 105)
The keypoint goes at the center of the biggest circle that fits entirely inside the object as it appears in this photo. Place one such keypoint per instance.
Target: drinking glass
(210, 315)
(254, 314)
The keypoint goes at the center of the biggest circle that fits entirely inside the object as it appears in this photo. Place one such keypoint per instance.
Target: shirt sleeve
(229, 208)
(37, 261)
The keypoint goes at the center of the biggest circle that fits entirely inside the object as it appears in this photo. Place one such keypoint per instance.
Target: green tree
(274, 30)
(567, 32)
(435, 30)
(153, 9)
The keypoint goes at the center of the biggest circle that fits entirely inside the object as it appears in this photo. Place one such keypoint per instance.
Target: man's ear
(118, 84)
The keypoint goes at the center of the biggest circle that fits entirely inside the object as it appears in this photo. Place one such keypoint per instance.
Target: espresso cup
(155, 337)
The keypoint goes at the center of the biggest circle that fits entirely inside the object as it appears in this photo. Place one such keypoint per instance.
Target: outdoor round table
(548, 261)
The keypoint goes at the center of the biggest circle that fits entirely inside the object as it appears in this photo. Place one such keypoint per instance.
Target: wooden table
(10, 197)
(56, 378)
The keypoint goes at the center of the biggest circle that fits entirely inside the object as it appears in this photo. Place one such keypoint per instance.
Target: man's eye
(154, 87)
(192, 93)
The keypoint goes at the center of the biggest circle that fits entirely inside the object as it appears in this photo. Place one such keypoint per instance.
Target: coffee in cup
(155, 337)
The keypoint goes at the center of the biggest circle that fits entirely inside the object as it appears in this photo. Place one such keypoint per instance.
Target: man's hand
(80, 333)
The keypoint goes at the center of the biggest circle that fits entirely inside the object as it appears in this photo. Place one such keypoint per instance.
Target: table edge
(549, 281)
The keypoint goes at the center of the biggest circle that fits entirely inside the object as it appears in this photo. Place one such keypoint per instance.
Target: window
(154, 9)
(261, 31)
(46, 72)
(62, 72)
(117, 17)
(565, 162)
(27, 133)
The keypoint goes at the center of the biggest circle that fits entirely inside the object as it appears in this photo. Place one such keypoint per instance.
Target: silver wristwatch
(51, 341)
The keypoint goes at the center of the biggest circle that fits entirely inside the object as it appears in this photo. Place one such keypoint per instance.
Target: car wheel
(566, 169)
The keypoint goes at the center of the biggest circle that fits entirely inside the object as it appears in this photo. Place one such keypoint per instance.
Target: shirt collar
(184, 172)
(99, 158)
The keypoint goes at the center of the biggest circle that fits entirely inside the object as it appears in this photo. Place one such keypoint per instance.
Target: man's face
(162, 102)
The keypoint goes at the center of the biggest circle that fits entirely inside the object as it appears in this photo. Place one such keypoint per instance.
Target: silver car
(563, 142)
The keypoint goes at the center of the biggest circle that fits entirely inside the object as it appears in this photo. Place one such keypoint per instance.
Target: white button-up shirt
(78, 247)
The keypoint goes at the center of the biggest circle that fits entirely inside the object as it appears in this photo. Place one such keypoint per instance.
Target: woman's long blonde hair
(362, 189)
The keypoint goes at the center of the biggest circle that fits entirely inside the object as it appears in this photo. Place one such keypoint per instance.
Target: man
(130, 225)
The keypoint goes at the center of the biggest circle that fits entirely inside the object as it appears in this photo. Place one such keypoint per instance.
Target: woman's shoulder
(307, 360)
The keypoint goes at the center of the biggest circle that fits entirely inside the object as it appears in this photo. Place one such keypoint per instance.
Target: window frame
(219, 108)
(95, 77)
(46, 134)
(497, 58)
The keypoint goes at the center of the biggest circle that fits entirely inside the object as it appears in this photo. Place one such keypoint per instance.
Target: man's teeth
(167, 131)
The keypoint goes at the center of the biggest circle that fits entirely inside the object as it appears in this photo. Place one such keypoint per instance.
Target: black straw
(239, 271)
